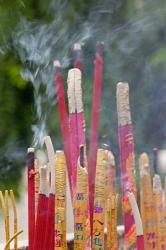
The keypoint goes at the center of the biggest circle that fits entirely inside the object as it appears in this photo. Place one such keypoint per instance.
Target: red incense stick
(126, 145)
(138, 221)
(49, 235)
(97, 88)
(63, 117)
(77, 56)
(31, 196)
(41, 217)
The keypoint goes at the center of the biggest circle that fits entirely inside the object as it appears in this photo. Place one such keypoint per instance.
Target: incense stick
(99, 202)
(5, 215)
(147, 205)
(15, 218)
(138, 221)
(158, 206)
(6, 200)
(12, 238)
(60, 211)
(41, 217)
(97, 88)
(49, 235)
(127, 163)
(81, 220)
(63, 118)
(77, 56)
(37, 184)
(31, 196)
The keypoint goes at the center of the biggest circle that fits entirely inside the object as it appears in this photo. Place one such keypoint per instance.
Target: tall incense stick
(31, 196)
(15, 218)
(77, 56)
(97, 89)
(99, 202)
(138, 222)
(158, 206)
(41, 217)
(126, 146)
(60, 211)
(63, 118)
(147, 204)
(81, 208)
(6, 199)
(49, 235)
(2, 201)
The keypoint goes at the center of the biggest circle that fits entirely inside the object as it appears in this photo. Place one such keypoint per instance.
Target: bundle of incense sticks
(96, 99)
(76, 119)
(147, 204)
(159, 212)
(60, 210)
(99, 202)
(4, 201)
(126, 145)
(81, 219)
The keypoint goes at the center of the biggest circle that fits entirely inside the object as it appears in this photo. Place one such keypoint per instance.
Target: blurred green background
(135, 51)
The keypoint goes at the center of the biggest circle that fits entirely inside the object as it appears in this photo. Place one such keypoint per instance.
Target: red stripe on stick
(31, 198)
(97, 89)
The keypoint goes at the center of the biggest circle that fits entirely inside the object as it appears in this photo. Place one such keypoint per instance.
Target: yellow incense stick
(11, 239)
(99, 202)
(147, 205)
(60, 210)
(15, 218)
(81, 209)
(6, 199)
(158, 205)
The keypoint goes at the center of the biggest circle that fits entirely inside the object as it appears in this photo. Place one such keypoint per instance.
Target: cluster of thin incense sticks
(92, 177)
(4, 202)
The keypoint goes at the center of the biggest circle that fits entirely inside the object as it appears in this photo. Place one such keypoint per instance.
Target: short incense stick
(112, 209)
(77, 56)
(6, 199)
(159, 212)
(15, 219)
(76, 119)
(2, 201)
(60, 211)
(126, 146)
(31, 196)
(96, 99)
(41, 217)
(138, 221)
(99, 202)
(147, 204)
(63, 118)
(81, 220)
(49, 235)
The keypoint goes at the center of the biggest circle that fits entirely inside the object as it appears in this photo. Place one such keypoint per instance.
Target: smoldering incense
(31, 196)
(96, 99)
(127, 163)
(146, 203)
(63, 117)
(77, 56)
(60, 211)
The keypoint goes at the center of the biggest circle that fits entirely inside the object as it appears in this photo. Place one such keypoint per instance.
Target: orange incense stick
(159, 212)
(126, 145)
(99, 202)
(147, 204)
(60, 210)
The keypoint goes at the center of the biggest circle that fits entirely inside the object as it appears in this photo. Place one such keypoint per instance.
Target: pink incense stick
(97, 89)
(31, 196)
(49, 235)
(138, 221)
(40, 227)
(77, 56)
(63, 117)
(126, 145)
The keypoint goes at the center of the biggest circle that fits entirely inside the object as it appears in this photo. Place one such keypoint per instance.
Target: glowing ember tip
(31, 150)
(56, 63)
(77, 46)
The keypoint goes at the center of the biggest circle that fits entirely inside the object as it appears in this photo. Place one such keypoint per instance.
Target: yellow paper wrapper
(60, 203)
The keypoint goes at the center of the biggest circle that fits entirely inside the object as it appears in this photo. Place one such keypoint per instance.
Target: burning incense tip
(31, 150)
(77, 46)
(144, 160)
(111, 159)
(57, 63)
(123, 108)
(136, 213)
